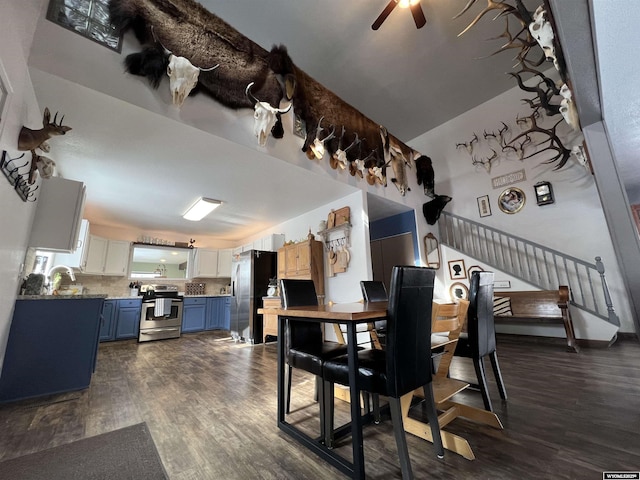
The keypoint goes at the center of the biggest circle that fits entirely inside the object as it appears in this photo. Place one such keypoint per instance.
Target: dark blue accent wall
(396, 225)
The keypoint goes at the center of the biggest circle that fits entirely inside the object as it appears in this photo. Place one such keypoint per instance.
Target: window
(89, 18)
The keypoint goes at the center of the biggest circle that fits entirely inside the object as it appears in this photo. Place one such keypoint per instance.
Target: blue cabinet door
(194, 314)
(217, 316)
(108, 321)
(128, 319)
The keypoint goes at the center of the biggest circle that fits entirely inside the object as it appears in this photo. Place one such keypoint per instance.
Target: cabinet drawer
(271, 302)
(130, 303)
(195, 301)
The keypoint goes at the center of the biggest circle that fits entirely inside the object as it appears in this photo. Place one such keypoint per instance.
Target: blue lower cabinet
(108, 321)
(194, 314)
(216, 313)
(128, 319)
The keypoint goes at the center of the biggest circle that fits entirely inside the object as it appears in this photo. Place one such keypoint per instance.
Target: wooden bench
(544, 306)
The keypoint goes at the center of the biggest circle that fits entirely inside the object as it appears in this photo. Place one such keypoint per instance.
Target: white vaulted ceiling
(144, 167)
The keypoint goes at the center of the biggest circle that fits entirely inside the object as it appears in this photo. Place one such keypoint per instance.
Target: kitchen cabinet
(216, 307)
(128, 318)
(108, 321)
(58, 216)
(120, 319)
(52, 346)
(270, 321)
(107, 257)
(303, 260)
(270, 243)
(224, 263)
(212, 263)
(77, 258)
(194, 312)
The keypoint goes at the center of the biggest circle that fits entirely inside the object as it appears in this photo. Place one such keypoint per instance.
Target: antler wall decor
(533, 29)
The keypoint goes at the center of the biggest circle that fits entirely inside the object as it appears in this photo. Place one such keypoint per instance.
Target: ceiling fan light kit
(416, 11)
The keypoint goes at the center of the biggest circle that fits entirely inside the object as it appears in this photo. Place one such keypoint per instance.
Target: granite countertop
(61, 297)
(209, 295)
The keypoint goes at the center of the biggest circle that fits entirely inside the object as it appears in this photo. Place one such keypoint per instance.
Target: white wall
(574, 224)
(17, 24)
(343, 287)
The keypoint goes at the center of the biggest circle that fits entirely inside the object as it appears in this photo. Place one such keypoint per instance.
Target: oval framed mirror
(432, 251)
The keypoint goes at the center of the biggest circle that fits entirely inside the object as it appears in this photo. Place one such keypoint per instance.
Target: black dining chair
(305, 347)
(375, 291)
(480, 339)
(404, 365)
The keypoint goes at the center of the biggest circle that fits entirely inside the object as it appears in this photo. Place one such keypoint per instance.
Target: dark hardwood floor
(210, 405)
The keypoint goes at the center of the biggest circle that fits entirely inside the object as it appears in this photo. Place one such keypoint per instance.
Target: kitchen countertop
(210, 295)
(61, 297)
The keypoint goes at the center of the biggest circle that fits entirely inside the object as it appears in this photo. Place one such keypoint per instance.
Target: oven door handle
(158, 330)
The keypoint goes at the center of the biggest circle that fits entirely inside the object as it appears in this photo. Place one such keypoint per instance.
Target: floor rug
(127, 453)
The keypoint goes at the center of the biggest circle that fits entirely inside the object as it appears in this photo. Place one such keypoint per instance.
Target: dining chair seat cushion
(372, 367)
(310, 357)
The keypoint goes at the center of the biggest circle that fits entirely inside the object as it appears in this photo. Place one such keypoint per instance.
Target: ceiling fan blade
(418, 15)
(385, 13)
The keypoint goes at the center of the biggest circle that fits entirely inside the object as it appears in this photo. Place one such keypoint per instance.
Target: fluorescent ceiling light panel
(200, 209)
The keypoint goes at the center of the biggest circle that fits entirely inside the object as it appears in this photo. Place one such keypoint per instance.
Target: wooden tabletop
(337, 312)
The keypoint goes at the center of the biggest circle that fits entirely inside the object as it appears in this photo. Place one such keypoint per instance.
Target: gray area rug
(127, 453)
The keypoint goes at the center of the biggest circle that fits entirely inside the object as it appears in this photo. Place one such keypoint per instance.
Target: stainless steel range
(161, 315)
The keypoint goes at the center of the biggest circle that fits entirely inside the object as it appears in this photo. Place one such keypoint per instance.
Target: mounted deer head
(32, 139)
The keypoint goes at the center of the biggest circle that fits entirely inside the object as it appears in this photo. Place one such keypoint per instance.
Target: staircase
(531, 262)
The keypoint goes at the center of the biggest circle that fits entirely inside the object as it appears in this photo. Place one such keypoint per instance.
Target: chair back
(408, 347)
(480, 324)
(300, 293)
(373, 291)
(449, 318)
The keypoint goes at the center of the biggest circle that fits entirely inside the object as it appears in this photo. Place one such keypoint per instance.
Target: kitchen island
(52, 345)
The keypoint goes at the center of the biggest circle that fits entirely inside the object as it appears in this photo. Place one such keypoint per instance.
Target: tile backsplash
(119, 286)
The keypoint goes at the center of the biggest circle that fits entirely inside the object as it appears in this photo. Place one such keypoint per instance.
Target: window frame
(54, 6)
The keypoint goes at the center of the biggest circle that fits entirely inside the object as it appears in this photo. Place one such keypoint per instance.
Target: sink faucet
(59, 269)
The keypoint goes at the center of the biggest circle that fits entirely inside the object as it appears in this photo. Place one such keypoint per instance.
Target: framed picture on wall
(484, 208)
(459, 291)
(474, 268)
(457, 270)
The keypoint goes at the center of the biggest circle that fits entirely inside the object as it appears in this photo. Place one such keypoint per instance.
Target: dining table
(351, 315)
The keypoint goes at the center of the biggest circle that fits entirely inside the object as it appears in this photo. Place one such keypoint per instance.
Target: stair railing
(531, 262)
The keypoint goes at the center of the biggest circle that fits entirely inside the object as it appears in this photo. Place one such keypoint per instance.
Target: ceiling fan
(416, 11)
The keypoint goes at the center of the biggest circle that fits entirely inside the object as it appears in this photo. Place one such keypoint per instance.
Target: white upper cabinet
(212, 263)
(117, 259)
(224, 263)
(56, 224)
(107, 257)
(270, 243)
(96, 255)
(77, 258)
(205, 263)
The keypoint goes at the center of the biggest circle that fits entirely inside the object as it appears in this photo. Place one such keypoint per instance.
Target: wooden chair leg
(401, 439)
(432, 417)
(288, 392)
(496, 371)
(478, 364)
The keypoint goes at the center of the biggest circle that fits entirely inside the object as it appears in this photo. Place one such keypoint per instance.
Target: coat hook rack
(18, 178)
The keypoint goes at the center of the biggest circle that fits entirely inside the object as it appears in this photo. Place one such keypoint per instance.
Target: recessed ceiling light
(200, 209)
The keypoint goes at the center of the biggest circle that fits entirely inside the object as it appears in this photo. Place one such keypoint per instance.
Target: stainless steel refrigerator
(250, 274)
